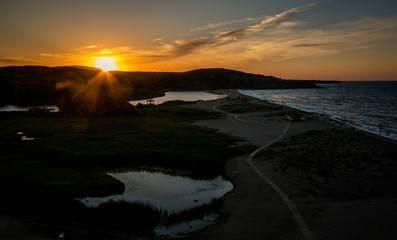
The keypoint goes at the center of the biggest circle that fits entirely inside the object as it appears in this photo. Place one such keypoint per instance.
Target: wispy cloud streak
(222, 24)
(269, 41)
(269, 22)
(180, 48)
(185, 47)
(8, 61)
(310, 45)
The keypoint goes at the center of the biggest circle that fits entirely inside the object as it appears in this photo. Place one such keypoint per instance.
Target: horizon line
(287, 79)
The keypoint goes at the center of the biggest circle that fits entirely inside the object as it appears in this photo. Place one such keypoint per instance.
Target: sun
(106, 63)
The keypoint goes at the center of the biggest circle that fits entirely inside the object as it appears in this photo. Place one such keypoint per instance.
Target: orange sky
(323, 39)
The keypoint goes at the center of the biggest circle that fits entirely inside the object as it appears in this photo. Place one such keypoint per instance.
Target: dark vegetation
(338, 163)
(36, 85)
(209, 79)
(124, 215)
(192, 213)
(49, 159)
(69, 154)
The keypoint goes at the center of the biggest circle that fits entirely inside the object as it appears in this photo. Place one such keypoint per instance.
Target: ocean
(368, 106)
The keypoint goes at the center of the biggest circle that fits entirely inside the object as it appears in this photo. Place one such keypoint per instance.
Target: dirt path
(254, 210)
(306, 232)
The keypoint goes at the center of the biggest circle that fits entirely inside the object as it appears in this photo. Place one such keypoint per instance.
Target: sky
(292, 39)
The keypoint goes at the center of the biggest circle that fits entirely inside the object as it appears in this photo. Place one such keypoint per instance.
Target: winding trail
(308, 235)
(258, 208)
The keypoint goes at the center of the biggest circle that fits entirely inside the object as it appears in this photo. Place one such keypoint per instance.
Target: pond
(14, 108)
(171, 193)
(168, 192)
(182, 95)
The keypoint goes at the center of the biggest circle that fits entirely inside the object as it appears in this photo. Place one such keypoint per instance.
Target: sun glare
(106, 64)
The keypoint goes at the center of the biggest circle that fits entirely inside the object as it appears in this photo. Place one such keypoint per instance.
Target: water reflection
(25, 138)
(14, 108)
(180, 229)
(171, 193)
(184, 96)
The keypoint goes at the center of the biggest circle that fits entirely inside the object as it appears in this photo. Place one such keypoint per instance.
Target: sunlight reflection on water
(184, 96)
(168, 192)
(171, 193)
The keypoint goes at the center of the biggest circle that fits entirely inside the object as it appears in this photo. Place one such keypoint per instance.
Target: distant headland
(39, 85)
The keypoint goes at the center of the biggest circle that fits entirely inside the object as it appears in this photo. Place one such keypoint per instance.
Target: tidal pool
(182, 95)
(161, 190)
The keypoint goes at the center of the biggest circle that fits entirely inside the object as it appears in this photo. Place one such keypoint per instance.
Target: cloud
(330, 40)
(87, 47)
(16, 61)
(269, 40)
(272, 21)
(350, 34)
(222, 24)
(185, 47)
(255, 56)
(275, 45)
(51, 55)
(10, 61)
(309, 45)
(290, 24)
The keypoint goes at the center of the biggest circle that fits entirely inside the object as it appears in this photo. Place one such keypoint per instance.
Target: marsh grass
(136, 217)
(69, 155)
(192, 213)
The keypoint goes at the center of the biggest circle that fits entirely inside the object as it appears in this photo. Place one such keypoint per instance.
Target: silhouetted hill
(34, 85)
(86, 88)
(327, 81)
(219, 78)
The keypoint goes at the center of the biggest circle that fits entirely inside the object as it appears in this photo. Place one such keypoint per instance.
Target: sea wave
(340, 106)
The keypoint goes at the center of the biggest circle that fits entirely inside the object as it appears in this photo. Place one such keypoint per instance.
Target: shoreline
(253, 211)
(335, 120)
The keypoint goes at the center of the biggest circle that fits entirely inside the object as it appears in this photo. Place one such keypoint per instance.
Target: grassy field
(337, 163)
(68, 156)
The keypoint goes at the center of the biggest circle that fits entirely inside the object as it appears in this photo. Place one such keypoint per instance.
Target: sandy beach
(255, 210)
